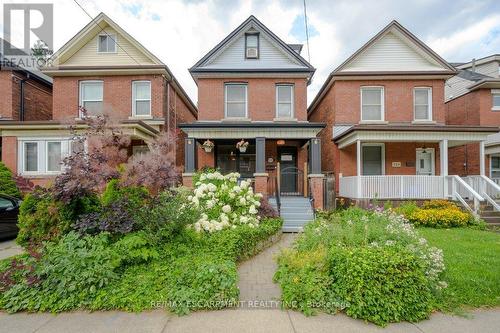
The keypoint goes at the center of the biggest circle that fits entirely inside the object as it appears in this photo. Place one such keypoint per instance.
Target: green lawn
(472, 259)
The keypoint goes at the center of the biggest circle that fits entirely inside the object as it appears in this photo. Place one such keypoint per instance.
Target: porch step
(490, 216)
(295, 211)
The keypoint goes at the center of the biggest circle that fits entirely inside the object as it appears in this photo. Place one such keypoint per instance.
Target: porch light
(280, 142)
(424, 149)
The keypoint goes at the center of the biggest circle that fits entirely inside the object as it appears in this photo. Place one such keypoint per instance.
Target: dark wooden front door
(288, 161)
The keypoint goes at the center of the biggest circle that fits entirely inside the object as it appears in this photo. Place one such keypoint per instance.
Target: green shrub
(407, 208)
(439, 217)
(7, 183)
(439, 204)
(135, 196)
(136, 248)
(381, 285)
(70, 274)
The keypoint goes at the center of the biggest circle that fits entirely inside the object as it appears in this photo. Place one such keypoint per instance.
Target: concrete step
(491, 219)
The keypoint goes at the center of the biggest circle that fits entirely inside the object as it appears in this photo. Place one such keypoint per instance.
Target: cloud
(180, 32)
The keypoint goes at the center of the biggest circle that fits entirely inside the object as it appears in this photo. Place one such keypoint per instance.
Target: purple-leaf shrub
(114, 218)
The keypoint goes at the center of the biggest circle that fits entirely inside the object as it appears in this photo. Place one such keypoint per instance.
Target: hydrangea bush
(224, 201)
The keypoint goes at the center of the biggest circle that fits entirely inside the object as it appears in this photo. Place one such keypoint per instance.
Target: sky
(180, 32)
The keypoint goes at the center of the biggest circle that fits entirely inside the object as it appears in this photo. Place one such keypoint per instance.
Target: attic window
(107, 43)
(252, 46)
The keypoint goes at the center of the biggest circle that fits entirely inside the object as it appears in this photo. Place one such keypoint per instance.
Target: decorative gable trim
(250, 22)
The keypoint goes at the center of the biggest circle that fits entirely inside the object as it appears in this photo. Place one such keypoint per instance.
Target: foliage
(114, 218)
(135, 248)
(437, 214)
(7, 183)
(70, 273)
(40, 219)
(266, 210)
(87, 170)
(166, 215)
(135, 196)
(155, 169)
(472, 267)
(336, 260)
(223, 202)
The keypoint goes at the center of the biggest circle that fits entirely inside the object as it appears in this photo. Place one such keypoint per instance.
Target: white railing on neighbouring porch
(460, 190)
(486, 187)
(392, 187)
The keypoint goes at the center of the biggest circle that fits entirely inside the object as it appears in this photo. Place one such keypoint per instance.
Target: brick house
(473, 98)
(387, 134)
(252, 86)
(106, 71)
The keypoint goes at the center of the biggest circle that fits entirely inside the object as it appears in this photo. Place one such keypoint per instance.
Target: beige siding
(455, 87)
(490, 69)
(392, 53)
(126, 54)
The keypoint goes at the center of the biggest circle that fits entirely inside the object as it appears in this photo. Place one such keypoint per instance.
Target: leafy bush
(134, 196)
(70, 274)
(436, 214)
(7, 183)
(372, 264)
(438, 204)
(135, 248)
(41, 219)
(114, 218)
(223, 202)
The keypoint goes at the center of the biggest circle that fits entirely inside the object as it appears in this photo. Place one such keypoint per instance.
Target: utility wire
(307, 32)
(102, 30)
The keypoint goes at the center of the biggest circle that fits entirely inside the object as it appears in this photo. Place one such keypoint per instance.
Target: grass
(472, 259)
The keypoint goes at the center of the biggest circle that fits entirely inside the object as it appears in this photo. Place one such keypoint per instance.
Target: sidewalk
(9, 249)
(239, 320)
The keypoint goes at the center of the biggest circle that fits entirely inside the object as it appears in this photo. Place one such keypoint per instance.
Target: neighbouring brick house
(387, 134)
(473, 98)
(106, 71)
(252, 86)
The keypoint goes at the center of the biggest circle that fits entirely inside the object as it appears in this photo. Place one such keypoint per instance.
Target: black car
(9, 209)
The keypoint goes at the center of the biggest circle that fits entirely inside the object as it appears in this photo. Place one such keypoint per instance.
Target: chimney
(473, 64)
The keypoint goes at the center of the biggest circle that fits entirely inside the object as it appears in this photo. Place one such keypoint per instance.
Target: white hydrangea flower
(226, 209)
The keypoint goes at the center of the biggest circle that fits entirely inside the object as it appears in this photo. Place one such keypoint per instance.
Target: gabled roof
(480, 61)
(410, 44)
(300, 64)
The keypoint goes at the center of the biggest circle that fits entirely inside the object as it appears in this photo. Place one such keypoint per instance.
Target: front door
(289, 172)
(425, 162)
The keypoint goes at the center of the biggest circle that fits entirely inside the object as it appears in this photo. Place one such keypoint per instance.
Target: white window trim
(377, 144)
(114, 37)
(429, 103)
(382, 101)
(42, 155)
(292, 111)
(134, 100)
(433, 159)
(80, 93)
(225, 100)
(23, 159)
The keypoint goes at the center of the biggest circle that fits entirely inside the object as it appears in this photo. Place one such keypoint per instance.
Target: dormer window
(106, 43)
(252, 46)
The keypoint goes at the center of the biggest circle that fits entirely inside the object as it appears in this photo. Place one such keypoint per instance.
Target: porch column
(482, 170)
(189, 161)
(443, 153)
(358, 168)
(316, 178)
(260, 174)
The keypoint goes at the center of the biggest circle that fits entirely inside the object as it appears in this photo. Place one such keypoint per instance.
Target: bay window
(235, 97)
(141, 98)
(284, 101)
(422, 104)
(372, 103)
(91, 97)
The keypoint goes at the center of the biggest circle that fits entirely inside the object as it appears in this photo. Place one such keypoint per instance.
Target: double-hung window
(372, 103)
(141, 98)
(91, 97)
(495, 95)
(106, 43)
(235, 97)
(422, 104)
(284, 101)
(495, 167)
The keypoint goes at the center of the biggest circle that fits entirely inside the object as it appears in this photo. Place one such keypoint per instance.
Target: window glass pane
(142, 90)
(92, 91)
(372, 112)
(372, 96)
(284, 94)
(236, 110)
(103, 44)
(421, 112)
(111, 43)
(372, 160)
(53, 156)
(421, 96)
(4, 203)
(230, 159)
(284, 110)
(30, 156)
(496, 100)
(252, 40)
(93, 108)
(495, 162)
(142, 108)
(495, 174)
(236, 93)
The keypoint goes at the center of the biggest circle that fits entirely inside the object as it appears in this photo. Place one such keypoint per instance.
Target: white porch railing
(460, 190)
(392, 187)
(486, 187)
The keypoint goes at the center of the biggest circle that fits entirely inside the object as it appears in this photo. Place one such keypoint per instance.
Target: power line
(307, 32)
(102, 30)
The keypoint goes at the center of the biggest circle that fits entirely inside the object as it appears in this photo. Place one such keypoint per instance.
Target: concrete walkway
(237, 320)
(256, 274)
(9, 248)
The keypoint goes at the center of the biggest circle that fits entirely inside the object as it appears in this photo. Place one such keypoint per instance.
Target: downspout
(21, 97)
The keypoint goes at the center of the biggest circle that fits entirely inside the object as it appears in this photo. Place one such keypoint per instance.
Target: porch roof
(252, 129)
(346, 135)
